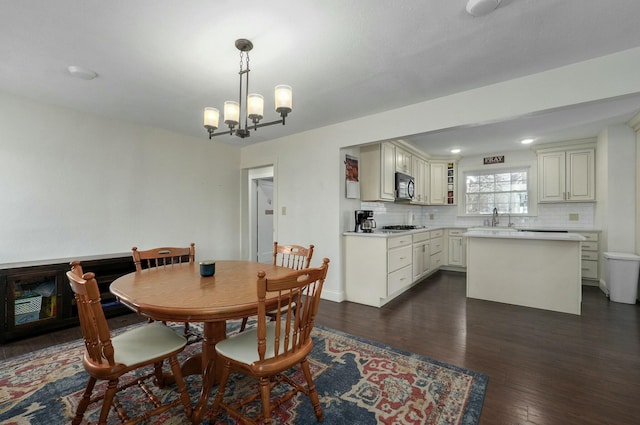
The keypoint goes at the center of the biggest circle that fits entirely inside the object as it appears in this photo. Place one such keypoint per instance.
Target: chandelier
(249, 106)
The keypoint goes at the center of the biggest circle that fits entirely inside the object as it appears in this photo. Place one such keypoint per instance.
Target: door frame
(255, 174)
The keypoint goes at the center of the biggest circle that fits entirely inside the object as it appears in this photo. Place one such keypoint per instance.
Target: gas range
(398, 228)
(402, 227)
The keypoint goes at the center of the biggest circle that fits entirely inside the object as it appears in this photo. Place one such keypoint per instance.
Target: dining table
(178, 293)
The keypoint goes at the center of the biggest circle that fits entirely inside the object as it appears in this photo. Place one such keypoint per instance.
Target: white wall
(308, 164)
(616, 174)
(73, 185)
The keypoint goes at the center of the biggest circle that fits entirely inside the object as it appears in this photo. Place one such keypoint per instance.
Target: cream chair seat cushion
(243, 347)
(145, 343)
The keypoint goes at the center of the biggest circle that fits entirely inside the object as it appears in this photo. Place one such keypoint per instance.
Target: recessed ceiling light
(455, 150)
(526, 141)
(481, 7)
(82, 73)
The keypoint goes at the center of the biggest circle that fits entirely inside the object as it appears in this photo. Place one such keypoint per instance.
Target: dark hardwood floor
(543, 367)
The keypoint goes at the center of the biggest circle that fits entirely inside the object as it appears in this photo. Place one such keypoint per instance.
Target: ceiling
(160, 62)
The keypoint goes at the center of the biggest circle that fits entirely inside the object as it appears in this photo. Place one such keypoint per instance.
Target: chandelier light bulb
(211, 118)
(231, 113)
(284, 99)
(255, 107)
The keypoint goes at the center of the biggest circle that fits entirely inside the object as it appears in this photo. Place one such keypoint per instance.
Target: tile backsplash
(562, 215)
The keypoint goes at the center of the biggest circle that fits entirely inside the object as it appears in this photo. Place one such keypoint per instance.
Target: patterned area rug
(359, 382)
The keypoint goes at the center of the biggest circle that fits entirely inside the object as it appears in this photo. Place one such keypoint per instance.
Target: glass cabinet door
(33, 297)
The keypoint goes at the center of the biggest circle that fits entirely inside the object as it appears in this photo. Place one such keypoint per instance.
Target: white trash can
(622, 276)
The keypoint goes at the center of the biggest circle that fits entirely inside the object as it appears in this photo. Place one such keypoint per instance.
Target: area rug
(359, 382)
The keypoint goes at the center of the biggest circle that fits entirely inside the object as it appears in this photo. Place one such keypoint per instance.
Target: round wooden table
(178, 293)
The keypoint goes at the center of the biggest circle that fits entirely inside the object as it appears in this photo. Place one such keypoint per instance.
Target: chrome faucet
(494, 219)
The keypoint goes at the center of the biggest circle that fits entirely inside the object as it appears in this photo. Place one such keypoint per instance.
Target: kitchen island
(531, 269)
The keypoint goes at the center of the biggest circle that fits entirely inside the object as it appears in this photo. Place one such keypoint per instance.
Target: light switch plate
(574, 217)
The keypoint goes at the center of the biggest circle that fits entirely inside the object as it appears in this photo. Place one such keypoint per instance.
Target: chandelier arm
(212, 134)
(264, 124)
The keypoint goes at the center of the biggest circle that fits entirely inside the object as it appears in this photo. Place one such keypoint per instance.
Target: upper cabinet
(437, 183)
(403, 161)
(442, 176)
(434, 180)
(377, 172)
(420, 169)
(566, 175)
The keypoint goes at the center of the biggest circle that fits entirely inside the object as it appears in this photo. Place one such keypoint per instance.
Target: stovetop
(402, 227)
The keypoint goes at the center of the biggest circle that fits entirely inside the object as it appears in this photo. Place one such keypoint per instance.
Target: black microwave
(405, 187)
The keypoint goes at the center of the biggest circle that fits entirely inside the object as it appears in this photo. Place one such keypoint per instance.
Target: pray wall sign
(499, 159)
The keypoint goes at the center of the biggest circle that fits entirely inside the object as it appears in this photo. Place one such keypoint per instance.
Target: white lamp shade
(284, 98)
(231, 112)
(255, 106)
(211, 118)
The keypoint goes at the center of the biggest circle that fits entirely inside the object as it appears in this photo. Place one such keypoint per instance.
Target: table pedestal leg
(213, 332)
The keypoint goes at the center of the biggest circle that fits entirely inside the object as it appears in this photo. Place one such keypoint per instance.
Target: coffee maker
(364, 221)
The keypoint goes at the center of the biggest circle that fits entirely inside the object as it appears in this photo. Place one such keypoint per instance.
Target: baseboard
(336, 296)
(603, 287)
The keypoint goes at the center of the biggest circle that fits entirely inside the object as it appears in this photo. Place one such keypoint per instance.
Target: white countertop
(379, 233)
(518, 234)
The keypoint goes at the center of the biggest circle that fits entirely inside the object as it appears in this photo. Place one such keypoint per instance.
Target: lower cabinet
(421, 255)
(457, 250)
(398, 264)
(379, 268)
(590, 254)
(36, 296)
(436, 246)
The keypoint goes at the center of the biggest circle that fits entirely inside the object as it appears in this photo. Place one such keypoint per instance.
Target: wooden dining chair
(294, 257)
(110, 359)
(273, 347)
(166, 257)
(163, 257)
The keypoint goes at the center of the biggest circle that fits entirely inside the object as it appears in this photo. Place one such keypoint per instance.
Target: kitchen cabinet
(377, 268)
(567, 175)
(377, 172)
(457, 248)
(399, 264)
(403, 161)
(421, 255)
(437, 183)
(435, 248)
(421, 179)
(590, 252)
(37, 298)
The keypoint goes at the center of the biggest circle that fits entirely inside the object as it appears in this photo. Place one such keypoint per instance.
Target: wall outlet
(574, 217)
(430, 216)
(284, 210)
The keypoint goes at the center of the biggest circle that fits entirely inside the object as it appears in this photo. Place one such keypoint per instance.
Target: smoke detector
(481, 7)
(82, 73)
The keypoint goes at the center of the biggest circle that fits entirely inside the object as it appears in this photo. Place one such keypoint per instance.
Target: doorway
(261, 214)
